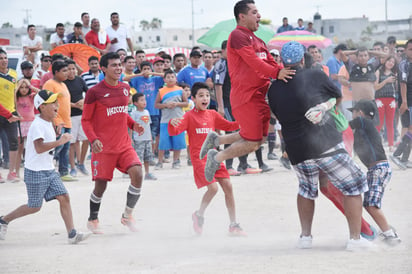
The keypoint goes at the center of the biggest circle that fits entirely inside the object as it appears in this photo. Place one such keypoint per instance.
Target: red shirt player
(105, 121)
(250, 67)
(198, 122)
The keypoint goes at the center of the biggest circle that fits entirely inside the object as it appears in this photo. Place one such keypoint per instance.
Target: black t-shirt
(76, 88)
(367, 143)
(290, 101)
(221, 77)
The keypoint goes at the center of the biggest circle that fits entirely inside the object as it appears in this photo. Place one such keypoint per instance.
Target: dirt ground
(166, 243)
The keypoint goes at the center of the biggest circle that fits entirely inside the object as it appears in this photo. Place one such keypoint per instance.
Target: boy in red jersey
(198, 122)
(248, 58)
(105, 121)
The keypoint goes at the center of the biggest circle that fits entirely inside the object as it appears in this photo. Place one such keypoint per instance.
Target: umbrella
(304, 37)
(220, 32)
(80, 53)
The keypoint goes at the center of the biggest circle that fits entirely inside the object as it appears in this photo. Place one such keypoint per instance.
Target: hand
(97, 146)
(146, 73)
(390, 79)
(285, 74)
(14, 118)
(316, 113)
(138, 128)
(59, 129)
(66, 137)
(403, 108)
(114, 41)
(176, 121)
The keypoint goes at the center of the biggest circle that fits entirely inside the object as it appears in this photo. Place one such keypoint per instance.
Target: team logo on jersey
(145, 119)
(125, 92)
(261, 55)
(107, 95)
(95, 163)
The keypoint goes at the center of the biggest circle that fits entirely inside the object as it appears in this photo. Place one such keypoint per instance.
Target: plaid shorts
(42, 184)
(378, 177)
(143, 150)
(341, 170)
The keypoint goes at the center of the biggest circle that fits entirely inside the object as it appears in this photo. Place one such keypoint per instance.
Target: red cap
(158, 59)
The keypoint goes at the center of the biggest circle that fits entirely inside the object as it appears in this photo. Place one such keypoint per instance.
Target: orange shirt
(63, 114)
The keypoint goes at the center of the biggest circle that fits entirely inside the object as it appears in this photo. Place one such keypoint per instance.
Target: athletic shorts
(253, 118)
(167, 142)
(199, 172)
(43, 184)
(155, 125)
(378, 178)
(103, 164)
(341, 170)
(77, 129)
(143, 150)
(11, 131)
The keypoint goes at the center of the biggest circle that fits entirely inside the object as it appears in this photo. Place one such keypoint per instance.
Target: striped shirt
(90, 79)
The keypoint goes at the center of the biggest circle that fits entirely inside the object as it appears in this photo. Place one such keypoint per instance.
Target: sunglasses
(47, 60)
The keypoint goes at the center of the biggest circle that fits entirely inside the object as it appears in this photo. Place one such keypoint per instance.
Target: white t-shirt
(121, 34)
(54, 38)
(39, 129)
(27, 42)
(37, 75)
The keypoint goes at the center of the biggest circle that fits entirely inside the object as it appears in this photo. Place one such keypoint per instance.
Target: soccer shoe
(94, 227)
(392, 240)
(12, 177)
(236, 231)
(265, 168)
(272, 156)
(3, 231)
(79, 237)
(408, 164)
(2, 181)
(82, 169)
(211, 165)
(176, 164)
(370, 237)
(360, 244)
(398, 162)
(285, 162)
(233, 172)
(129, 222)
(197, 223)
(68, 178)
(150, 176)
(208, 144)
(158, 166)
(305, 242)
(73, 172)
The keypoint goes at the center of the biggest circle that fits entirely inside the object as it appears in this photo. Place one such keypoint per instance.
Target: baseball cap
(292, 53)
(26, 65)
(158, 59)
(368, 107)
(159, 50)
(274, 52)
(195, 53)
(45, 97)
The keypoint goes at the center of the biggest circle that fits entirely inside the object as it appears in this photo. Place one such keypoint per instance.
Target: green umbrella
(220, 32)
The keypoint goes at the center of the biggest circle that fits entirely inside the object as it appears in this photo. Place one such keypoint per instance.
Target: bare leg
(72, 153)
(176, 155)
(83, 151)
(378, 217)
(306, 209)
(135, 173)
(160, 155)
(12, 161)
(353, 213)
(207, 198)
(21, 211)
(19, 157)
(229, 138)
(238, 148)
(229, 198)
(146, 167)
(66, 211)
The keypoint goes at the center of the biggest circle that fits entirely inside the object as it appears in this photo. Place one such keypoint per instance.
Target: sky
(178, 13)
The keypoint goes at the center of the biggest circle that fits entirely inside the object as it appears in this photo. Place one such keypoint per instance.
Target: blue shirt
(334, 66)
(150, 88)
(284, 28)
(101, 77)
(190, 75)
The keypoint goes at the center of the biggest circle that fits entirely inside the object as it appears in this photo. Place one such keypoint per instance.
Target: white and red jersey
(198, 123)
(105, 116)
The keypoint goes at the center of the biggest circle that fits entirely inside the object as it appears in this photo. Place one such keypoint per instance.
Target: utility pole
(26, 20)
(193, 24)
(386, 18)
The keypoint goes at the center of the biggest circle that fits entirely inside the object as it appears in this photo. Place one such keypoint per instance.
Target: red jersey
(250, 66)
(105, 116)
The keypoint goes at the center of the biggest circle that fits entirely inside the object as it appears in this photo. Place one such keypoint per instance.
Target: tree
(265, 21)
(156, 23)
(7, 25)
(368, 33)
(144, 25)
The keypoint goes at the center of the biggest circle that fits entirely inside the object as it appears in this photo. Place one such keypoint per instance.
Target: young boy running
(105, 121)
(198, 122)
(368, 146)
(42, 181)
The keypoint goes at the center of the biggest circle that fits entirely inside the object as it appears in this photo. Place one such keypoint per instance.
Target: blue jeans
(62, 154)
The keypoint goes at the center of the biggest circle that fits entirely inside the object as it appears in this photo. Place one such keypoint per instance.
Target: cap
(195, 53)
(292, 53)
(158, 59)
(368, 107)
(44, 97)
(159, 50)
(274, 52)
(26, 65)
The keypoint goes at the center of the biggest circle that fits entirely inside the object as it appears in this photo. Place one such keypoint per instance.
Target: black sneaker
(397, 161)
(265, 168)
(285, 162)
(272, 156)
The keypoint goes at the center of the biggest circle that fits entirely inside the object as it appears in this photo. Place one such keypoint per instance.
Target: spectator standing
(300, 25)
(76, 37)
(285, 26)
(97, 39)
(119, 35)
(32, 44)
(58, 38)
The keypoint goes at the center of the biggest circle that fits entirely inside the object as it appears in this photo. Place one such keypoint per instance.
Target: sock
(94, 206)
(133, 195)
(72, 233)
(389, 233)
(259, 156)
(271, 142)
(229, 162)
(3, 221)
(243, 162)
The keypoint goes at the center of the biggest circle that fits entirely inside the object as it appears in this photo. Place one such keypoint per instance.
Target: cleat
(94, 227)
(197, 223)
(209, 143)
(79, 237)
(82, 169)
(265, 168)
(176, 164)
(150, 176)
(211, 165)
(398, 162)
(272, 156)
(158, 166)
(3, 231)
(129, 222)
(305, 242)
(236, 231)
(285, 162)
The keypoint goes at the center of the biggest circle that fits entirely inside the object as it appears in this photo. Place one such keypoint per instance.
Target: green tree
(144, 25)
(7, 25)
(265, 21)
(156, 23)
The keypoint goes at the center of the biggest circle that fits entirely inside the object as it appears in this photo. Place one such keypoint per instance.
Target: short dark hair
(30, 26)
(199, 85)
(166, 56)
(140, 51)
(127, 58)
(408, 42)
(2, 51)
(83, 14)
(177, 55)
(379, 43)
(59, 25)
(361, 49)
(113, 13)
(224, 44)
(78, 25)
(121, 49)
(242, 7)
(391, 40)
(339, 47)
(57, 56)
(58, 65)
(136, 96)
(312, 47)
(169, 71)
(92, 58)
(183, 85)
(70, 62)
(104, 60)
(146, 64)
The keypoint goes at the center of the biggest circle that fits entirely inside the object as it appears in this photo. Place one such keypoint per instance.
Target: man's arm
(219, 99)
(404, 105)
(130, 44)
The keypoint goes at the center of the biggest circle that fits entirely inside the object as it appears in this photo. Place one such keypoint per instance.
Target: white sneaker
(79, 237)
(3, 231)
(305, 242)
(360, 244)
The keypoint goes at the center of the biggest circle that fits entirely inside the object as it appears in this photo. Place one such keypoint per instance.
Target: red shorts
(103, 164)
(253, 117)
(199, 172)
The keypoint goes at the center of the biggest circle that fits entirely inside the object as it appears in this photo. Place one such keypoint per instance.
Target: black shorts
(405, 120)
(11, 132)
